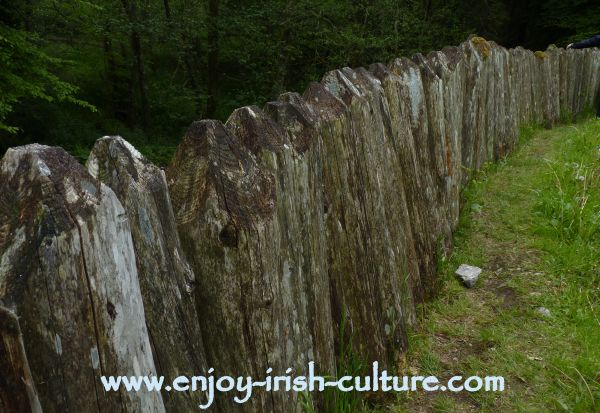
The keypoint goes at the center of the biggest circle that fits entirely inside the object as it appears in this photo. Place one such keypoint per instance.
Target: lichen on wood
(167, 281)
(67, 270)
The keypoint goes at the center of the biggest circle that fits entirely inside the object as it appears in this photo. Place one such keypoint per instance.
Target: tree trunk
(130, 7)
(427, 6)
(119, 84)
(213, 58)
(167, 8)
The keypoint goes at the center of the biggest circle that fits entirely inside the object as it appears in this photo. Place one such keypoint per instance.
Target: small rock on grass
(468, 274)
(544, 311)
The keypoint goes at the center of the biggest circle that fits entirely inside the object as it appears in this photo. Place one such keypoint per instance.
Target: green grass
(532, 222)
(348, 364)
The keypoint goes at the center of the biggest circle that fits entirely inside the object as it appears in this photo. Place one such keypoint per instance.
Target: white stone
(544, 311)
(468, 274)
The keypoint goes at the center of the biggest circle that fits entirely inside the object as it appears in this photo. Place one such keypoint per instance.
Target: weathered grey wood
(589, 89)
(370, 275)
(256, 244)
(17, 390)
(166, 280)
(439, 143)
(67, 270)
(436, 225)
(398, 95)
(285, 146)
(450, 69)
(217, 189)
(507, 123)
(519, 87)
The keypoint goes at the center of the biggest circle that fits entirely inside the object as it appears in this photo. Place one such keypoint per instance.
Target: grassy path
(532, 224)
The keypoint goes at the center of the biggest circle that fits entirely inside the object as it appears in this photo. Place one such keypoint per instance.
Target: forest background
(73, 71)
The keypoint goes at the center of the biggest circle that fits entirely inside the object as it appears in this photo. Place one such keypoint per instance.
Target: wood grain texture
(264, 291)
(167, 281)
(17, 389)
(68, 272)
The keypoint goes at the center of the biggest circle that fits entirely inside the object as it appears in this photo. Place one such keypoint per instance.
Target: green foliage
(578, 18)
(144, 64)
(349, 363)
(537, 23)
(571, 217)
(26, 73)
(152, 92)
